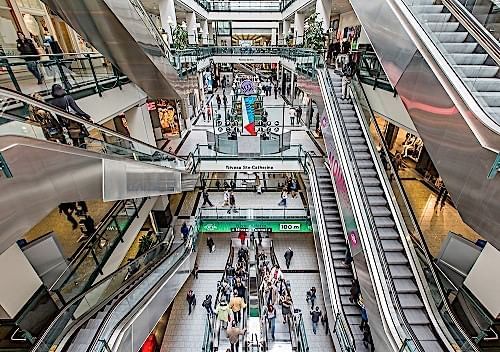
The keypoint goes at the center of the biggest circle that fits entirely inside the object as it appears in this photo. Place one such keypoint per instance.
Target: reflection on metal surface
(441, 117)
(47, 174)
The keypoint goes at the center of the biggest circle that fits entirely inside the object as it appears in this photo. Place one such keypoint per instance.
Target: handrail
(26, 99)
(130, 265)
(371, 222)
(309, 167)
(261, 298)
(414, 222)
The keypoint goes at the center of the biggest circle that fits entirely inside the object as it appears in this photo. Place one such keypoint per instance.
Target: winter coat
(237, 303)
(233, 334)
(222, 312)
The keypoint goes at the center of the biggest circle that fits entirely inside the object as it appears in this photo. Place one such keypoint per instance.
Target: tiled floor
(65, 235)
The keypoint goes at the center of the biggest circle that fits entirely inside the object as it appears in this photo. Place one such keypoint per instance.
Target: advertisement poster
(342, 191)
(165, 111)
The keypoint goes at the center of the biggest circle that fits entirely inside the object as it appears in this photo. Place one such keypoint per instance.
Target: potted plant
(180, 38)
(146, 242)
(313, 33)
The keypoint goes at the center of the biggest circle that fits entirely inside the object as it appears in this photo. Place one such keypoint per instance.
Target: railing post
(99, 89)
(116, 72)
(5, 63)
(118, 229)
(135, 207)
(64, 79)
(96, 261)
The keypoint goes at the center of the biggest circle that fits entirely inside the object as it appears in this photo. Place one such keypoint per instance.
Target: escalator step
(353, 125)
(343, 280)
(362, 155)
(392, 246)
(370, 181)
(461, 48)
(396, 258)
(424, 333)
(451, 37)
(416, 316)
(469, 59)
(405, 286)
(431, 345)
(400, 272)
(365, 164)
(354, 133)
(443, 26)
(360, 148)
(357, 140)
(352, 310)
(477, 71)
(483, 84)
(435, 17)
(376, 200)
(421, 9)
(374, 191)
(350, 116)
(388, 233)
(410, 300)
(380, 211)
(384, 221)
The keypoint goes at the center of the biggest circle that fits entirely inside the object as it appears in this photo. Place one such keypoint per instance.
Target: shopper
(206, 199)
(87, 227)
(364, 317)
(77, 131)
(288, 257)
(292, 114)
(226, 198)
(315, 317)
(230, 272)
(223, 312)
(52, 129)
(184, 231)
(218, 99)
(286, 307)
(232, 203)
(207, 304)
(258, 187)
(299, 114)
(241, 289)
(233, 334)
(68, 209)
(242, 235)
(27, 48)
(368, 339)
(210, 244)
(237, 304)
(224, 100)
(355, 291)
(347, 73)
(191, 300)
(348, 257)
(311, 296)
(271, 318)
(284, 196)
(442, 195)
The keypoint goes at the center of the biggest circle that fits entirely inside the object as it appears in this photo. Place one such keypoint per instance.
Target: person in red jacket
(242, 236)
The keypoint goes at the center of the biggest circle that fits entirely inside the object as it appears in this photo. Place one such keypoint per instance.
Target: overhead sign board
(255, 225)
(250, 165)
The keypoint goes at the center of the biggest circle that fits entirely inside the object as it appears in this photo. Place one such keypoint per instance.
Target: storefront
(165, 118)
(8, 29)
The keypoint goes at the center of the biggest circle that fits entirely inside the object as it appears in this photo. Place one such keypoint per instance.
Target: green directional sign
(255, 225)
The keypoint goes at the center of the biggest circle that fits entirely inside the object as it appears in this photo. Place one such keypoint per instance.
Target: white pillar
(139, 124)
(168, 17)
(204, 28)
(298, 26)
(273, 36)
(191, 28)
(201, 85)
(286, 28)
(211, 27)
(323, 9)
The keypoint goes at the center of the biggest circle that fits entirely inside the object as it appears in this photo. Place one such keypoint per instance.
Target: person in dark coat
(191, 300)
(64, 101)
(288, 257)
(25, 46)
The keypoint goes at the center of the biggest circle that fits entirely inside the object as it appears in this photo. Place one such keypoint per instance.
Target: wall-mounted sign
(250, 165)
(255, 225)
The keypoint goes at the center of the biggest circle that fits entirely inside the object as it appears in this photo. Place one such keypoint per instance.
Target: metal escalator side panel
(115, 29)
(442, 119)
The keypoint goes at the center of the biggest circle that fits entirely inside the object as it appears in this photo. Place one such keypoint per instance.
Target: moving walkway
(445, 69)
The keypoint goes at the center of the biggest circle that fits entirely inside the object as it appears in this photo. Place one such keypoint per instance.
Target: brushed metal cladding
(457, 154)
(390, 40)
(140, 324)
(116, 30)
(46, 174)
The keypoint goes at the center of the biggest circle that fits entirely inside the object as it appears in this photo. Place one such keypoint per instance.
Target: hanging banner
(299, 226)
(342, 192)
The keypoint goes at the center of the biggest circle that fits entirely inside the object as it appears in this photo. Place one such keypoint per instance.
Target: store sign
(341, 187)
(250, 165)
(254, 226)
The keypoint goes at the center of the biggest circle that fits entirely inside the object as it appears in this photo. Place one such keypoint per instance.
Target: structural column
(273, 36)
(323, 9)
(191, 28)
(298, 26)
(286, 28)
(140, 125)
(168, 17)
(204, 31)
(211, 40)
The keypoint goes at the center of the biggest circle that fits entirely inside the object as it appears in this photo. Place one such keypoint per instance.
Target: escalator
(126, 35)
(445, 69)
(42, 174)
(103, 317)
(404, 284)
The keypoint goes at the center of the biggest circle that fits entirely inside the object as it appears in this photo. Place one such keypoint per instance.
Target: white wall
(139, 124)
(483, 280)
(112, 103)
(391, 108)
(19, 280)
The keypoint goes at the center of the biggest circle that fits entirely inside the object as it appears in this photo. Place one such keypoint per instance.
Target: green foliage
(146, 242)
(180, 38)
(313, 33)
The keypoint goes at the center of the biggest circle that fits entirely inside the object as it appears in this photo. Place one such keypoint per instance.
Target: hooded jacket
(233, 334)
(222, 312)
(62, 100)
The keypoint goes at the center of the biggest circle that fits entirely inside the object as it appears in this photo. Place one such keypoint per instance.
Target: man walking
(191, 299)
(233, 334)
(207, 304)
(232, 203)
(288, 257)
(206, 200)
(27, 47)
(315, 317)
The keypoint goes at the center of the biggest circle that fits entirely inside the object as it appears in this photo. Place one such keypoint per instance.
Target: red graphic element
(151, 105)
(352, 237)
(251, 129)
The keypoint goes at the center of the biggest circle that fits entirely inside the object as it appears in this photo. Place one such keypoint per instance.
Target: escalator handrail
(26, 99)
(97, 285)
(478, 112)
(371, 221)
(421, 239)
(261, 305)
(186, 246)
(310, 168)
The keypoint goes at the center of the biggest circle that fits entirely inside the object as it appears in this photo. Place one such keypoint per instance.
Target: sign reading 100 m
(252, 225)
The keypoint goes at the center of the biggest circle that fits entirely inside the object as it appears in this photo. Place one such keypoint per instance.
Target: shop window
(8, 31)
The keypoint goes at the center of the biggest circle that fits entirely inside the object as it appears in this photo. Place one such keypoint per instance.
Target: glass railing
(208, 334)
(207, 152)
(460, 337)
(24, 116)
(472, 76)
(404, 329)
(245, 5)
(303, 345)
(161, 258)
(253, 213)
(487, 12)
(79, 74)
(88, 262)
(372, 73)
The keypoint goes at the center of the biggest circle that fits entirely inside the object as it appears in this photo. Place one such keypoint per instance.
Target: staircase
(467, 58)
(338, 246)
(405, 285)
